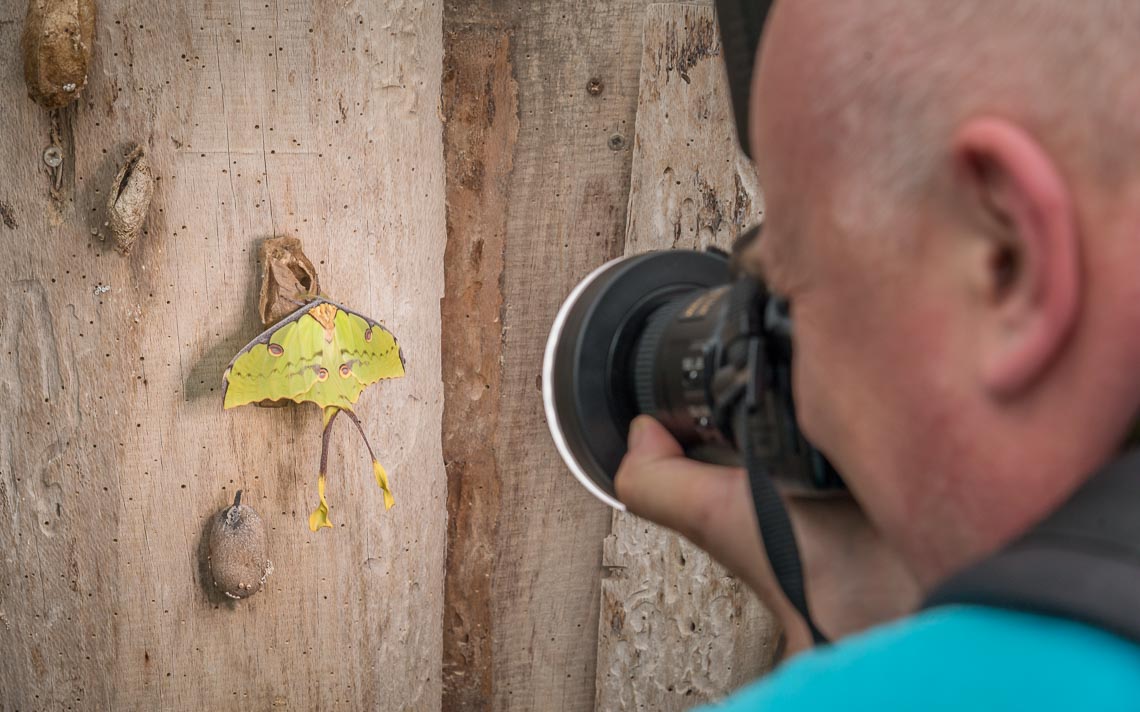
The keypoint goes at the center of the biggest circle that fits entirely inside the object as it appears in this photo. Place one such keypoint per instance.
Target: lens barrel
(709, 361)
(672, 335)
(673, 367)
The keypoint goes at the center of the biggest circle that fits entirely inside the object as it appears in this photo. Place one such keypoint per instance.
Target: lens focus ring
(646, 354)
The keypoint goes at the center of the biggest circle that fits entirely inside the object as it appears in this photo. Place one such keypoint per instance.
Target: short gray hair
(899, 75)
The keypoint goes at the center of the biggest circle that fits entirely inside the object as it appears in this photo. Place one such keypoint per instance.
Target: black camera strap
(741, 24)
(748, 400)
(775, 525)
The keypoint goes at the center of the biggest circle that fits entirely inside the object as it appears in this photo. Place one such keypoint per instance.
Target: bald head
(952, 207)
(893, 78)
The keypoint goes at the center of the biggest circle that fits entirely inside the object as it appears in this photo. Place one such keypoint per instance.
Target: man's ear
(1030, 268)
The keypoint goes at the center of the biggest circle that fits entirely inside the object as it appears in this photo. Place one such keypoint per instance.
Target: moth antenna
(237, 498)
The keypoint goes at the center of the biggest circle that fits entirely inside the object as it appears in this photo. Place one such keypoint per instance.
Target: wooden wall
(677, 629)
(555, 85)
(262, 117)
(551, 110)
(453, 171)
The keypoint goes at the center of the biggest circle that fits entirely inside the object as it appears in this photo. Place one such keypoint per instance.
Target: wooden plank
(261, 117)
(576, 67)
(569, 192)
(481, 127)
(676, 629)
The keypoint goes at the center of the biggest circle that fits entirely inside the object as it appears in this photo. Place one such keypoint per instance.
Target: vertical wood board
(481, 127)
(675, 628)
(576, 67)
(261, 118)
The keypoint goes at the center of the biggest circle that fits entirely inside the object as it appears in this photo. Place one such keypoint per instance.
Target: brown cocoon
(56, 44)
(288, 279)
(129, 200)
(238, 548)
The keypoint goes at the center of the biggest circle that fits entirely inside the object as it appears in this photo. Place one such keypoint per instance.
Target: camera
(676, 335)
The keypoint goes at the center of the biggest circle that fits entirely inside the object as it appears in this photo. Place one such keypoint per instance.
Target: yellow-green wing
(367, 348)
(280, 364)
(322, 353)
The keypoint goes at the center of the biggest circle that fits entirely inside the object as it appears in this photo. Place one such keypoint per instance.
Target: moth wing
(369, 348)
(280, 364)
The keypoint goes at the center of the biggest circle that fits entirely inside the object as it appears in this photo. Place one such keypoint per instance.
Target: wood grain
(529, 590)
(261, 118)
(676, 629)
(576, 66)
(481, 127)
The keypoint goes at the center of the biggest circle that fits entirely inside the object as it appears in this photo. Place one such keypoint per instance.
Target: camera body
(676, 336)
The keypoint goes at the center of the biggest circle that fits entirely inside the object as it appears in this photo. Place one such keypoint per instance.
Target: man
(952, 198)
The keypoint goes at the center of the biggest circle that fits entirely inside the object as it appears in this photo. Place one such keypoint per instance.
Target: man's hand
(852, 580)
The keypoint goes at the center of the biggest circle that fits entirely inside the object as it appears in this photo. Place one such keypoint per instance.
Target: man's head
(953, 209)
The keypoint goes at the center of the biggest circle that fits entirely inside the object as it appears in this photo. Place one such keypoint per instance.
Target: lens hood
(587, 395)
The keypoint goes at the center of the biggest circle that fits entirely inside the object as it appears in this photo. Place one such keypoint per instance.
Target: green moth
(322, 353)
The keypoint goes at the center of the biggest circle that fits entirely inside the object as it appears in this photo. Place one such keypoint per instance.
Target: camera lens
(670, 334)
(587, 381)
(704, 357)
(674, 362)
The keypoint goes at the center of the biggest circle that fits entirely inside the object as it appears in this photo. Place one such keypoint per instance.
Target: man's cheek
(809, 391)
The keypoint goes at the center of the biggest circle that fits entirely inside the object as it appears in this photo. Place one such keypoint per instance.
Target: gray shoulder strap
(1082, 563)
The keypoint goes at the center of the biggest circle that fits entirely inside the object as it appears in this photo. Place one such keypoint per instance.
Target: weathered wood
(576, 67)
(260, 118)
(481, 127)
(520, 626)
(676, 628)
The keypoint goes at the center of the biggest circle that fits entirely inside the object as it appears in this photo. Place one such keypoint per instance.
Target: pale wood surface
(568, 194)
(270, 117)
(321, 120)
(540, 101)
(676, 628)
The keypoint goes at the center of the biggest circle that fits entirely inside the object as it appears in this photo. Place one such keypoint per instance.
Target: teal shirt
(957, 658)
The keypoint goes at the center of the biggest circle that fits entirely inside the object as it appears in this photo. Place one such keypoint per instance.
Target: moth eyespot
(345, 370)
(368, 334)
(276, 349)
(322, 373)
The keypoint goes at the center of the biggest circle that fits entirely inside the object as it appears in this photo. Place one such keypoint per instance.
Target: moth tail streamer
(320, 516)
(382, 480)
(377, 468)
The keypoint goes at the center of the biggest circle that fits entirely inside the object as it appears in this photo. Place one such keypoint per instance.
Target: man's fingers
(649, 440)
(658, 482)
(710, 505)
